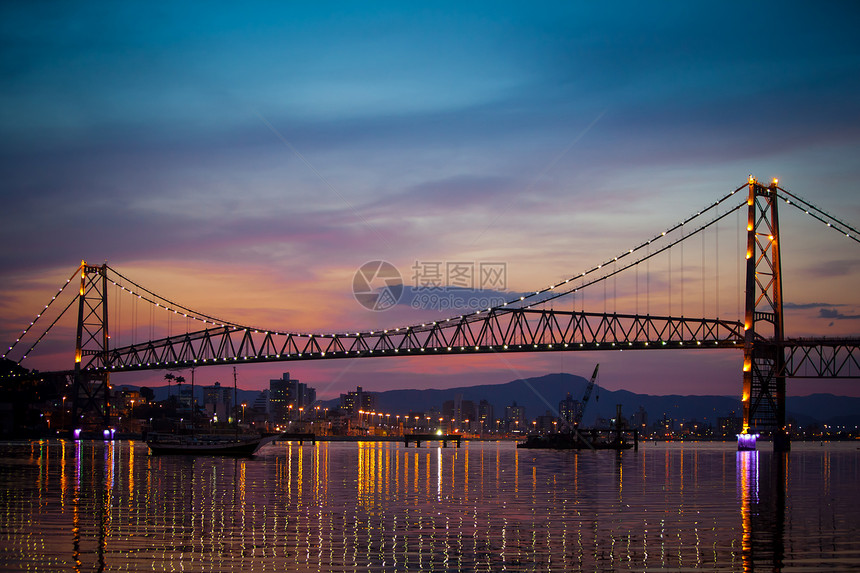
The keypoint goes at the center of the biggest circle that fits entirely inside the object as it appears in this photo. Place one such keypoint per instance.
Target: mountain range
(544, 393)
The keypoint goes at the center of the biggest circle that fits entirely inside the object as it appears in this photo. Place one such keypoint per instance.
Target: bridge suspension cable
(38, 316)
(171, 306)
(151, 297)
(649, 255)
(821, 215)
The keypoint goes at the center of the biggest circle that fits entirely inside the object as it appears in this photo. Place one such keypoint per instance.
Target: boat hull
(189, 446)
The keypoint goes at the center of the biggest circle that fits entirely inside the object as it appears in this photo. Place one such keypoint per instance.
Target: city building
(486, 416)
(639, 420)
(288, 398)
(515, 418)
(730, 426)
(546, 423)
(259, 409)
(569, 410)
(352, 402)
(459, 410)
(218, 402)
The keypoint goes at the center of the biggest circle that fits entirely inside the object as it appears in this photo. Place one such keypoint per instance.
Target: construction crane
(580, 411)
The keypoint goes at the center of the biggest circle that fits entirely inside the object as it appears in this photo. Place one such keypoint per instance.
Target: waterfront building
(352, 402)
(486, 415)
(546, 423)
(639, 420)
(288, 398)
(218, 401)
(570, 410)
(730, 426)
(459, 411)
(515, 418)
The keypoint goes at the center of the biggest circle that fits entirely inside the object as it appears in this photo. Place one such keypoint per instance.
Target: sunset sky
(246, 159)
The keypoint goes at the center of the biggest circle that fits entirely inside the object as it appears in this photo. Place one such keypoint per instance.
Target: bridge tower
(90, 391)
(764, 357)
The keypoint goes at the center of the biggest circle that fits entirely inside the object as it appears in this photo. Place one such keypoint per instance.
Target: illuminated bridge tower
(764, 358)
(90, 391)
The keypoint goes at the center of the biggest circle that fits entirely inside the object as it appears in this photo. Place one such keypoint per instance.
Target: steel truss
(496, 331)
(822, 358)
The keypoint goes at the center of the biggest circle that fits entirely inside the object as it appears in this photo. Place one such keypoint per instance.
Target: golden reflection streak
(415, 477)
(64, 482)
(747, 464)
(427, 472)
(406, 468)
(454, 457)
(439, 474)
(131, 474)
(397, 470)
(289, 468)
(360, 485)
(300, 483)
(517, 471)
(466, 475)
(242, 469)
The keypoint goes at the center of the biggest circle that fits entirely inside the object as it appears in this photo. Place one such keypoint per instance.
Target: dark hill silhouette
(543, 393)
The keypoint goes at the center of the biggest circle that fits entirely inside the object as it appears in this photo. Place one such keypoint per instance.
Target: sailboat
(235, 444)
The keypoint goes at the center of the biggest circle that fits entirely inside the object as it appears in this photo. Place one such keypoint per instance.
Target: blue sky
(247, 159)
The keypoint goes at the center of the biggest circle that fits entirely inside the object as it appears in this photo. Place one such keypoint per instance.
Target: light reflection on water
(380, 506)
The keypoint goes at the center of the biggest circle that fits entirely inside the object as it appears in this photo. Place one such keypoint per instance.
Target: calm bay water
(93, 506)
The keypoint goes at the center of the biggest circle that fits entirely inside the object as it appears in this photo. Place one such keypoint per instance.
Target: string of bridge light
(645, 244)
(471, 317)
(170, 305)
(158, 304)
(38, 316)
(808, 208)
(47, 330)
(641, 260)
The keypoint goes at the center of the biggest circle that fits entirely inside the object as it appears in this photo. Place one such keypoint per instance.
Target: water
(94, 506)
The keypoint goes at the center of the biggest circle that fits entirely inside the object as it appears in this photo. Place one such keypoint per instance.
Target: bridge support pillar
(763, 395)
(91, 392)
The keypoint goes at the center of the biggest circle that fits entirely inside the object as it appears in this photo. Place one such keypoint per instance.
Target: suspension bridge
(530, 322)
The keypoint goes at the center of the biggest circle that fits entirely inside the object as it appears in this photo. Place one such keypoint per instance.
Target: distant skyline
(246, 160)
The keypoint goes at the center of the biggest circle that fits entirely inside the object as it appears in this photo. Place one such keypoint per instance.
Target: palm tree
(169, 377)
(179, 381)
